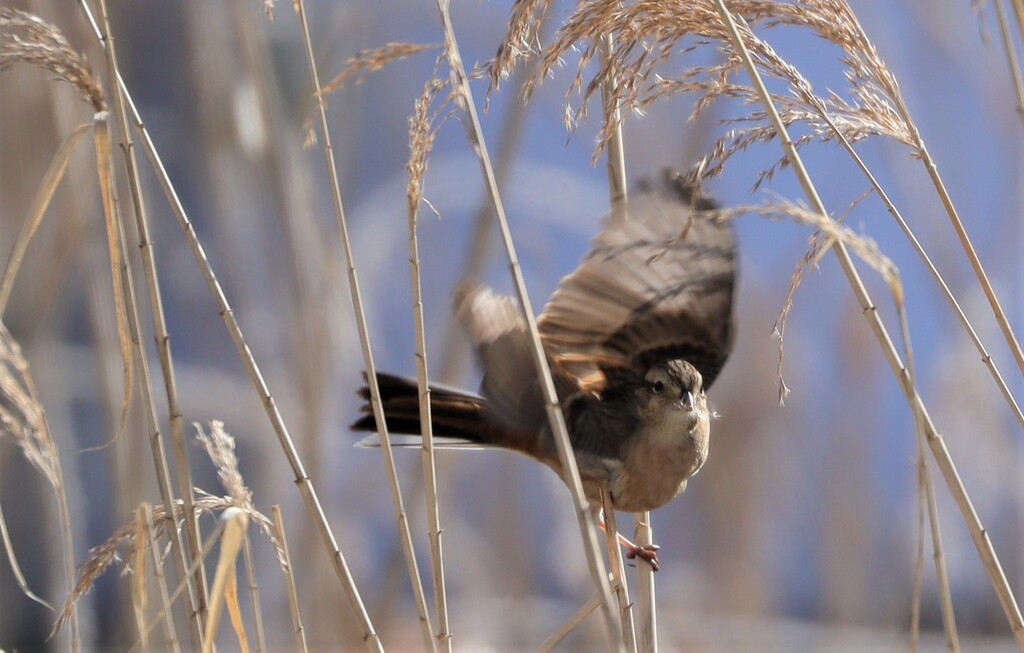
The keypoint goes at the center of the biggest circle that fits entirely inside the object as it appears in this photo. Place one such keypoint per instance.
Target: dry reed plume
(26, 38)
(220, 447)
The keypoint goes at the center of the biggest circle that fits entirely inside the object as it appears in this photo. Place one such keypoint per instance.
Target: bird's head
(671, 390)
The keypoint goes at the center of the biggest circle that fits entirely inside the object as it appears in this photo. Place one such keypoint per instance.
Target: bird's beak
(686, 402)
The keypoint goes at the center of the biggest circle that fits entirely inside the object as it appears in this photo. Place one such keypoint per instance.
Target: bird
(634, 337)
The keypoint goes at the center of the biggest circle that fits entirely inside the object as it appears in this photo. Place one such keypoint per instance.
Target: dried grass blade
(235, 611)
(101, 136)
(928, 497)
(236, 522)
(13, 560)
(41, 201)
(618, 573)
(23, 418)
(1018, 12)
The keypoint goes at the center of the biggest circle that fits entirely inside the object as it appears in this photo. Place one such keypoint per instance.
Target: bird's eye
(657, 387)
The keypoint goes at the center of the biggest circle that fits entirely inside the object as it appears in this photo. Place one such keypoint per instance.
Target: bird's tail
(458, 416)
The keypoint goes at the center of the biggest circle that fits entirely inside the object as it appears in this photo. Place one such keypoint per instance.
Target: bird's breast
(657, 464)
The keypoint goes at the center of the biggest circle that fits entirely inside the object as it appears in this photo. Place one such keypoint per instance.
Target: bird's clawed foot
(647, 552)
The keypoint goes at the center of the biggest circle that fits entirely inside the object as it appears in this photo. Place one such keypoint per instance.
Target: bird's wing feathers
(657, 283)
(510, 380)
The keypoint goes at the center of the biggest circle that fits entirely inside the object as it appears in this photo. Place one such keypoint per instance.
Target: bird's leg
(646, 552)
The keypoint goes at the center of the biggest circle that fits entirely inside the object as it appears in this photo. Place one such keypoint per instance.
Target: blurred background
(799, 533)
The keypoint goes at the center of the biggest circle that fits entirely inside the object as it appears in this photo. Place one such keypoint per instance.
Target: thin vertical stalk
(928, 487)
(254, 593)
(161, 581)
(616, 164)
(204, 551)
(1018, 12)
(302, 480)
(364, 339)
(646, 605)
(444, 636)
(935, 442)
(118, 244)
(961, 232)
(1011, 56)
(619, 201)
(939, 558)
(619, 584)
(986, 358)
(156, 307)
(918, 583)
(454, 352)
(293, 597)
(567, 460)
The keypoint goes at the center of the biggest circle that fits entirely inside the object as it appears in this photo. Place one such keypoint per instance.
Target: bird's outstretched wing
(657, 283)
(499, 332)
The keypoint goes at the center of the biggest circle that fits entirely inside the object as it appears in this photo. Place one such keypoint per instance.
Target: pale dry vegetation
(201, 264)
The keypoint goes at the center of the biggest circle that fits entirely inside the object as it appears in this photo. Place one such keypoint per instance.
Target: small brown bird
(634, 337)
